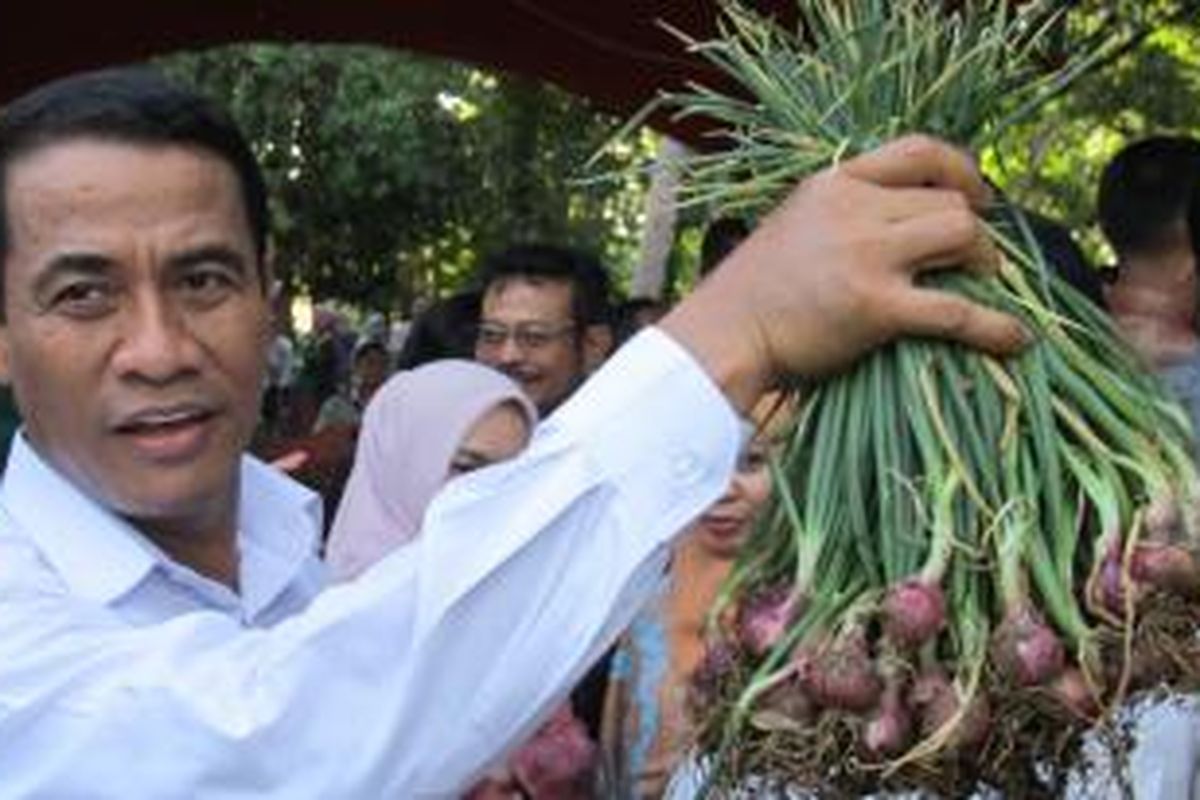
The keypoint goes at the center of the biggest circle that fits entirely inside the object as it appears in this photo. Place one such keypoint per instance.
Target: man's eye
(491, 335)
(208, 284)
(84, 299)
(534, 339)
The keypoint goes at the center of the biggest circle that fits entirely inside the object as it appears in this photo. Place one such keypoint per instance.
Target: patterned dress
(647, 729)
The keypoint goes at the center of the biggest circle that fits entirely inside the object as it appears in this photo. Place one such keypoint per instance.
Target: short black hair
(130, 104)
(626, 313)
(1145, 189)
(721, 237)
(444, 330)
(590, 286)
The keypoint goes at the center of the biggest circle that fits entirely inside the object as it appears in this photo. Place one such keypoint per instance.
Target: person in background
(545, 319)
(1147, 194)
(325, 363)
(721, 236)
(165, 629)
(647, 729)
(423, 428)
(374, 328)
(368, 371)
(637, 313)
(1058, 247)
(322, 459)
(1064, 254)
(281, 376)
(1142, 204)
(446, 329)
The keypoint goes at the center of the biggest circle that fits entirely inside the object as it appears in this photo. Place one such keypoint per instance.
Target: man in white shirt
(162, 633)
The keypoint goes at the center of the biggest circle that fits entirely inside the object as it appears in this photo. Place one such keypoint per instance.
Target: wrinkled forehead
(532, 297)
(109, 181)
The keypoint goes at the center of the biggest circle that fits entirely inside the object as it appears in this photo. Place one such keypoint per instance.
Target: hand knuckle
(921, 146)
(960, 225)
(954, 318)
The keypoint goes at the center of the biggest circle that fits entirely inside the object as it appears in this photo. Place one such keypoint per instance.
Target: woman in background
(423, 428)
(647, 730)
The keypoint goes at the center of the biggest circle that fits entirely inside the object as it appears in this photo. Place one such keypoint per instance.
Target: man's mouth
(520, 375)
(169, 434)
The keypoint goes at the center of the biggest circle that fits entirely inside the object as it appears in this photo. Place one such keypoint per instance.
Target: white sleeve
(404, 683)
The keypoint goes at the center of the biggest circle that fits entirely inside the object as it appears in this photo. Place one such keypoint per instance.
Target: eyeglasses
(526, 335)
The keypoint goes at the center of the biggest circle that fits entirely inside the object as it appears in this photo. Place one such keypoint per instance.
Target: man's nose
(157, 342)
(509, 352)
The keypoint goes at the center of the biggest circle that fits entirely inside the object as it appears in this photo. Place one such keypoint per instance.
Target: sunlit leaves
(392, 174)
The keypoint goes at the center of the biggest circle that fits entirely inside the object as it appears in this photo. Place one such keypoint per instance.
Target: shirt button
(686, 468)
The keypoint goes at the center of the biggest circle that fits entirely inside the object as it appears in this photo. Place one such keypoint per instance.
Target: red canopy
(613, 52)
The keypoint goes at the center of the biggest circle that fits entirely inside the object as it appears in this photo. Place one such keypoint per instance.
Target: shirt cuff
(652, 398)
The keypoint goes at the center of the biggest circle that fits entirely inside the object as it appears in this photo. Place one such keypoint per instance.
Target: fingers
(915, 161)
(929, 312)
(898, 204)
(944, 237)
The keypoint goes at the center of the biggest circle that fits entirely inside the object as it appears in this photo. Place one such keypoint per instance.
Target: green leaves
(983, 478)
(856, 74)
(392, 174)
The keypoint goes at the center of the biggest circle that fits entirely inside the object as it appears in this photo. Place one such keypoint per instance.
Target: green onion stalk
(967, 562)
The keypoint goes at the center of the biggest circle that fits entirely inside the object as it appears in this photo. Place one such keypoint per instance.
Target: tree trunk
(658, 235)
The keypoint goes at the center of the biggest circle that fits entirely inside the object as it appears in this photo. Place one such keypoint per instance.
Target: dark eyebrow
(79, 264)
(213, 253)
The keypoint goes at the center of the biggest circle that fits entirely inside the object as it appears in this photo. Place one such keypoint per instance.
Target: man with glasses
(544, 320)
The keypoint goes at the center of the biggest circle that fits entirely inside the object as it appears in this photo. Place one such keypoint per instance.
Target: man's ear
(597, 345)
(5, 363)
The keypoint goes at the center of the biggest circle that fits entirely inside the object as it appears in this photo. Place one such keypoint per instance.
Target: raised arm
(831, 272)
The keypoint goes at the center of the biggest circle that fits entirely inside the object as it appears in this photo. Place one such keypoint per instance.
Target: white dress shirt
(125, 675)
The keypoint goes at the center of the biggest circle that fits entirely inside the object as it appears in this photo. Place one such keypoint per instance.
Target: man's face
(526, 330)
(136, 325)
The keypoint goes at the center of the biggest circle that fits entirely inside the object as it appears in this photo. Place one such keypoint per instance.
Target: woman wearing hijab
(422, 428)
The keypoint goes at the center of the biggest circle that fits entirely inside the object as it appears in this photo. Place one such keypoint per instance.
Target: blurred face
(528, 332)
(497, 436)
(724, 527)
(370, 371)
(136, 326)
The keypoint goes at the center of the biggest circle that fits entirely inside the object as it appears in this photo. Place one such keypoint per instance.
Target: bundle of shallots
(968, 562)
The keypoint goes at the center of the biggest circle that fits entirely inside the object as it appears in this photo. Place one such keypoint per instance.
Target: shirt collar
(101, 557)
(279, 533)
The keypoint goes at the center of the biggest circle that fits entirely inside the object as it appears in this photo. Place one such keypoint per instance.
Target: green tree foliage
(393, 174)
(1149, 85)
